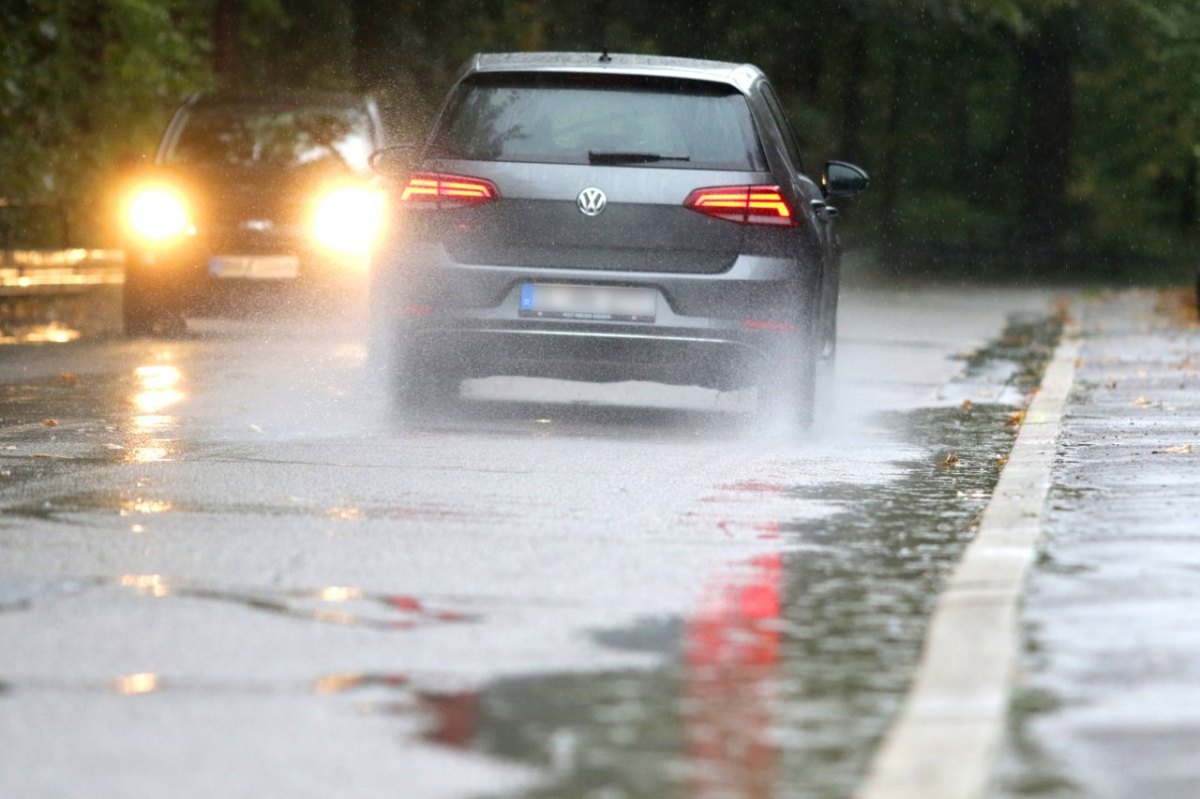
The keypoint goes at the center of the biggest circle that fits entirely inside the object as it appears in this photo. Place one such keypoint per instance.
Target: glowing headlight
(347, 219)
(157, 213)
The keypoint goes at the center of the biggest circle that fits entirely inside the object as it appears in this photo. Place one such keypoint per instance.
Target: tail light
(754, 205)
(447, 191)
(769, 324)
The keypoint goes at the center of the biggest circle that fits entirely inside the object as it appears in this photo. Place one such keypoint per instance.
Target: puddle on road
(53, 427)
(70, 421)
(787, 675)
(392, 689)
(337, 605)
(88, 508)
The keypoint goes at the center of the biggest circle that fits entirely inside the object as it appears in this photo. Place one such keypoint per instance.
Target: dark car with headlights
(607, 218)
(247, 193)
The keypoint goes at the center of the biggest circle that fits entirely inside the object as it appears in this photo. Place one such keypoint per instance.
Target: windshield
(242, 136)
(580, 119)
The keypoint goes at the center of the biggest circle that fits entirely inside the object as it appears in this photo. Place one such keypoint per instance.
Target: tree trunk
(1187, 203)
(890, 182)
(1045, 61)
(849, 135)
(225, 42)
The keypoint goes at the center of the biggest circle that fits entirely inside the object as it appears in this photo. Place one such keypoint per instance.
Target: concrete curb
(942, 744)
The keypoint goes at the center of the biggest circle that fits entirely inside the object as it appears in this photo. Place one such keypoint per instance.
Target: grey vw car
(607, 218)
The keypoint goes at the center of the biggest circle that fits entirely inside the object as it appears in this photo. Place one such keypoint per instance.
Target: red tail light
(769, 324)
(755, 205)
(447, 191)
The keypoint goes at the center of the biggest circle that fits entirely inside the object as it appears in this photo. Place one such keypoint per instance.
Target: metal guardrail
(58, 271)
(37, 256)
(58, 296)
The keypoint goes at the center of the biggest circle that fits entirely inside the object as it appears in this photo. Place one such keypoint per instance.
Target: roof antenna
(605, 57)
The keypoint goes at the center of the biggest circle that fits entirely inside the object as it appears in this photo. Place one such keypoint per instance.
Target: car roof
(296, 99)
(741, 76)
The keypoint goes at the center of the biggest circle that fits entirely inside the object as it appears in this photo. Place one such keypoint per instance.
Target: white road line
(943, 742)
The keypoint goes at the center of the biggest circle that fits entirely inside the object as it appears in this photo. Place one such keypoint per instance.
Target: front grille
(238, 239)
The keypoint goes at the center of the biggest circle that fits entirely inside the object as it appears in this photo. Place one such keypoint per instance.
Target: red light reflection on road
(157, 388)
(732, 659)
(451, 719)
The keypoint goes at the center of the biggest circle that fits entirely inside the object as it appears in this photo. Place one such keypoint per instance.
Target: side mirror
(841, 179)
(395, 162)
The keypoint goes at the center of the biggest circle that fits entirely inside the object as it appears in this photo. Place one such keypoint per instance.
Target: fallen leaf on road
(1015, 419)
(69, 377)
(49, 423)
(950, 461)
(1143, 401)
(1062, 310)
(967, 405)
(1001, 461)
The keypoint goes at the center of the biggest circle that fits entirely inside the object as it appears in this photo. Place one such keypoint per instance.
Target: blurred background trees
(1056, 132)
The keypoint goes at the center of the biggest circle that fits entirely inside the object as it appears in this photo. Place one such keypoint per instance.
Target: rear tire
(421, 388)
(137, 312)
(425, 393)
(787, 391)
(145, 313)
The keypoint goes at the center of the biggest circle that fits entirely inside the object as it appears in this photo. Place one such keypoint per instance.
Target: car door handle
(823, 210)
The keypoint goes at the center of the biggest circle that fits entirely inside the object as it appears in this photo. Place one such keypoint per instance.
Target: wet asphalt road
(226, 568)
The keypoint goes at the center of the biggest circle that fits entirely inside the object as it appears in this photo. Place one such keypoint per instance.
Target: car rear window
(278, 137)
(554, 118)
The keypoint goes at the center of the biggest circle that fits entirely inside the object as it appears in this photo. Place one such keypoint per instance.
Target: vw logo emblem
(591, 201)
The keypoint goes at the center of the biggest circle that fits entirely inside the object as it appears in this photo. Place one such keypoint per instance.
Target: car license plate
(599, 303)
(254, 267)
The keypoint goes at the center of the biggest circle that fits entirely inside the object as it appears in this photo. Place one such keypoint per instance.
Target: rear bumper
(708, 329)
(753, 287)
(599, 353)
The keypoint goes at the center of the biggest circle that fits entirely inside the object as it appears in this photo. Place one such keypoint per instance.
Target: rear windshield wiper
(608, 157)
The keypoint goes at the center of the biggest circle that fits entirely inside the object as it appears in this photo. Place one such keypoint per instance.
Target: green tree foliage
(83, 81)
(985, 123)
